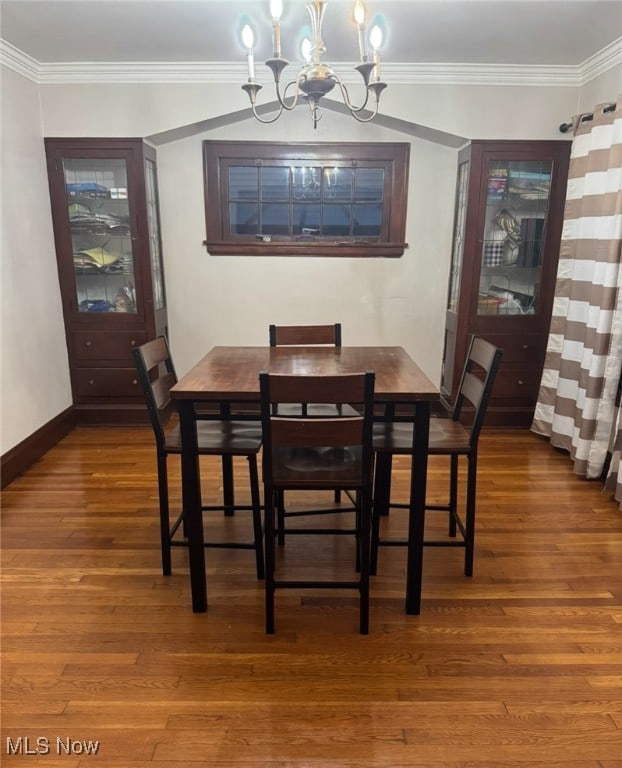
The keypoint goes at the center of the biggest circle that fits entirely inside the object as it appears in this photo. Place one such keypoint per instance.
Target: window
(263, 198)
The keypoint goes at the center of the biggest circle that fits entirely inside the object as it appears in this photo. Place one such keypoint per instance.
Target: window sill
(290, 248)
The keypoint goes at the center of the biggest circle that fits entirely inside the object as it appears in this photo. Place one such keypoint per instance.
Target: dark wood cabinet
(104, 202)
(508, 220)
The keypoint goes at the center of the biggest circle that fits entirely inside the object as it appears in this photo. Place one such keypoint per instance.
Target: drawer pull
(133, 343)
(134, 382)
(525, 346)
(520, 381)
(87, 343)
(91, 381)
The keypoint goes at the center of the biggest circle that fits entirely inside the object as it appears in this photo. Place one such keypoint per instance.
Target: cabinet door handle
(525, 346)
(134, 382)
(91, 381)
(520, 381)
(133, 343)
(87, 343)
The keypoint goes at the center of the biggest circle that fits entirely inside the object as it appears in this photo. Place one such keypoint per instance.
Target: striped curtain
(576, 405)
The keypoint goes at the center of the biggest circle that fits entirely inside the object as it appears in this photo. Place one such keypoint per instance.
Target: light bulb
(306, 50)
(375, 37)
(276, 9)
(359, 13)
(248, 38)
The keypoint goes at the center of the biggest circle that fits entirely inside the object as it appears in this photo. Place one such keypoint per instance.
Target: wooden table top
(233, 372)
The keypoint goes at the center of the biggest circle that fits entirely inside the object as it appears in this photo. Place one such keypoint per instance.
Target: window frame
(392, 157)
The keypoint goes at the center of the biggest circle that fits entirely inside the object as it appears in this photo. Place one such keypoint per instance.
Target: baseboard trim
(19, 458)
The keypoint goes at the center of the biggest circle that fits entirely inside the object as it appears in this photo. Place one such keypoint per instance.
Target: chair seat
(334, 467)
(446, 436)
(216, 438)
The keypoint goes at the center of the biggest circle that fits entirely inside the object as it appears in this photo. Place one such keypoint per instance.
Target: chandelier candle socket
(316, 79)
(249, 40)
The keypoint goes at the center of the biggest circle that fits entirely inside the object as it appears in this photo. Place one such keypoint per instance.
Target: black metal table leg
(416, 519)
(191, 501)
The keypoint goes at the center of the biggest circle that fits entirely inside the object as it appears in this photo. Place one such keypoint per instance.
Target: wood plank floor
(519, 666)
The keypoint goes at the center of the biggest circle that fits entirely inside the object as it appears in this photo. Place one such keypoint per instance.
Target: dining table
(230, 374)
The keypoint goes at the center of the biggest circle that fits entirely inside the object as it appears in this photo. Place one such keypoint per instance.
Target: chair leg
(227, 486)
(453, 493)
(269, 544)
(364, 542)
(256, 504)
(384, 467)
(280, 507)
(165, 531)
(380, 504)
(470, 515)
(357, 528)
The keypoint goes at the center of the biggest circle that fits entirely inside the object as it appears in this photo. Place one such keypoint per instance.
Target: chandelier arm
(282, 97)
(267, 120)
(346, 98)
(367, 119)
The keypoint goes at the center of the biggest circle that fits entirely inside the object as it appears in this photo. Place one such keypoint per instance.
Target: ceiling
(547, 33)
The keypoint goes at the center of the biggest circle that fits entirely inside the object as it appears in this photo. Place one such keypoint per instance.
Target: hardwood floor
(519, 666)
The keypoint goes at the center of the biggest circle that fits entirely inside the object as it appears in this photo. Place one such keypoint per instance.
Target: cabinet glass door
(517, 202)
(153, 226)
(99, 218)
(458, 240)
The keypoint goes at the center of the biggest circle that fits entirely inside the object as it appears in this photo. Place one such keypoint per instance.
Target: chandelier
(316, 79)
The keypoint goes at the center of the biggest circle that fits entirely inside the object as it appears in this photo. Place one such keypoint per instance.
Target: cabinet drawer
(517, 384)
(107, 382)
(106, 345)
(519, 348)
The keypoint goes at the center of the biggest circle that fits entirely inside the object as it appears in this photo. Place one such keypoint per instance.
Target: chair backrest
(478, 376)
(305, 335)
(156, 374)
(338, 431)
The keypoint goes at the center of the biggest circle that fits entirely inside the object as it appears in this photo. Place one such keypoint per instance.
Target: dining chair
(447, 437)
(216, 436)
(307, 453)
(306, 335)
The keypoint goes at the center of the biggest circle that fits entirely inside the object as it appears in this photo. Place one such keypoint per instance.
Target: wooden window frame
(392, 157)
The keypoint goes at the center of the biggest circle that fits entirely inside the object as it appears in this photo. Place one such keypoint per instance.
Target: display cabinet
(507, 229)
(105, 214)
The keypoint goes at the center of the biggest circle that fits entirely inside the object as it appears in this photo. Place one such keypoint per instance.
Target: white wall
(34, 376)
(232, 299)
(603, 89)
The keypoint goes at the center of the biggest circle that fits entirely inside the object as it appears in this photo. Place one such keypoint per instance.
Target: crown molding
(601, 62)
(481, 74)
(222, 73)
(19, 61)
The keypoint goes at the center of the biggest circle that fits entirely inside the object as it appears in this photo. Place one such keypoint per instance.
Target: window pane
(367, 220)
(274, 219)
(306, 216)
(336, 220)
(244, 218)
(243, 183)
(337, 184)
(368, 183)
(274, 183)
(306, 183)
